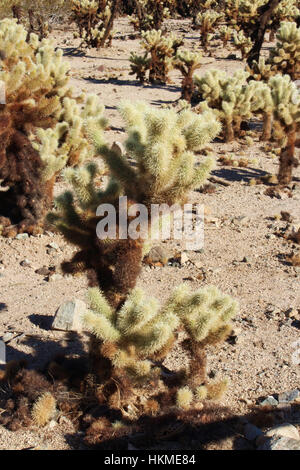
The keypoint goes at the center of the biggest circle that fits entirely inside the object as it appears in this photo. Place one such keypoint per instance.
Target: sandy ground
(260, 363)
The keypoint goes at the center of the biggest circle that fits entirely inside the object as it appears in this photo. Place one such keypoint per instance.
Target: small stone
(280, 443)
(25, 263)
(53, 245)
(22, 236)
(287, 397)
(269, 401)
(118, 148)
(68, 316)
(55, 277)
(2, 353)
(292, 313)
(241, 220)
(183, 258)
(284, 430)
(44, 271)
(252, 432)
(7, 337)
(157, 254)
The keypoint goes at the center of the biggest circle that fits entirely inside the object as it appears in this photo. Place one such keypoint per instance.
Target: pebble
(22, 236)
(7, 337)
(54, 277)
(44, 271)
(53, 245)
(118, 148)
(25, 263)
(287, 397)
(269, 401)
(158, 254)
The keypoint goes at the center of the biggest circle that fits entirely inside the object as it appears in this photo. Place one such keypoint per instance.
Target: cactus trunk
(267, 127)
(287, 159)
(229, 133)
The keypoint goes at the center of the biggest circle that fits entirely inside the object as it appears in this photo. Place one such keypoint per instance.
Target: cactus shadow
(43, 350)
(239, 174)
(44, 322)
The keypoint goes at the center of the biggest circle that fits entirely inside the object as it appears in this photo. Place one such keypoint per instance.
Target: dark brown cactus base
(25, 199)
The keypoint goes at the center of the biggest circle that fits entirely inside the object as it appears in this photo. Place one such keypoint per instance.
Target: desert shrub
(42, 126)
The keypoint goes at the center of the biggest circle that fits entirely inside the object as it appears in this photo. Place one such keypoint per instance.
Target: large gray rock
(68, 316)
(284, 430)
(280, 443)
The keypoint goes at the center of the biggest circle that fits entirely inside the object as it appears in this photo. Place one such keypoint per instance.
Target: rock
(269, 401)
(44, 271)
(183, 258)
(68, 316)
(118, 148)
(157, 254)
(292, 313)
(290, 396)
(252, 432)
(7, 337)
(284, 430)
(2, 353)
(280, 443)
(53, 245)
(241, 220)
(22, 236)
(25, 263)
(55, 277)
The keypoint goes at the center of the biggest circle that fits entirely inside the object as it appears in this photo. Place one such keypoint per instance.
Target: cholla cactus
(160, 53)
(262, 103)
(95, 21)
(187, 62)
(206, 22)
(131, 342)
(286, 114)
(261, 70)
(287, 10)
(150, 14)
(285, 57)
(37, 98)
(225, 33)
(139, 65)
(161, 142)
(35, 15)
(229, 96)
(242, 43)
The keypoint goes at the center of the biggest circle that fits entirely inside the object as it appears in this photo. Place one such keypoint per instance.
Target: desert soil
(241, 254)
